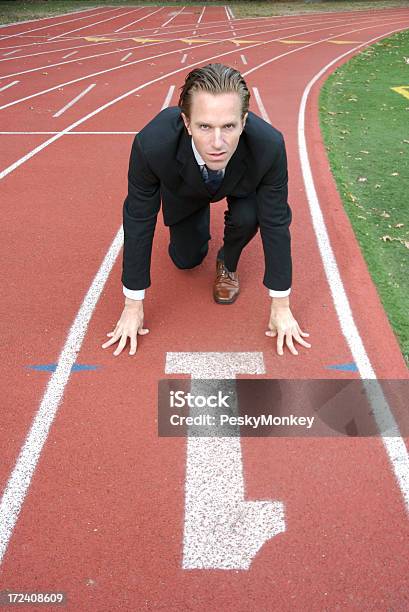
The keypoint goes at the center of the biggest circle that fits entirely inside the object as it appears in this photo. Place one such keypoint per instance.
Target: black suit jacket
(162, 167)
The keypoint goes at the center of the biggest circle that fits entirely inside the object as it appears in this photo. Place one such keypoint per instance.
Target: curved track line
(52, 25)
(144, 46)
(88, 76)
(394, 444)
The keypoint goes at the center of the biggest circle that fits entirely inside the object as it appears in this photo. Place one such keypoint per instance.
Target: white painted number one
(221, 529)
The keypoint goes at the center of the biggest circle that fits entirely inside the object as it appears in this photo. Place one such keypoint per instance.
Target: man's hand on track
(283, 325)
(129, 326)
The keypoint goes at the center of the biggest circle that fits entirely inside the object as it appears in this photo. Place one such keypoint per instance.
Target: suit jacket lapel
(189, 168)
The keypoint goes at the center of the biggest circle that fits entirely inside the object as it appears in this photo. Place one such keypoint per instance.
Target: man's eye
(204, 126)
(229, 126)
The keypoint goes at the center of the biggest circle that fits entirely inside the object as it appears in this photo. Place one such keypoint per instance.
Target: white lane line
(9, 85)
(183, 58)
(227, 13)
(201, 15)
(20, 478)
(19, 481)
(6, 25)
(140, 19)
(394, 444)
(231, 12)
(98, 55)
(168, 97)
(126, 57)
(172, 18)
(243, 59)
(44, 91)
(221, 529)
(261, 105)
(11, 52)
(90, 25)
(33, 152)
(80, 95)
(53, 25)
(69, 54)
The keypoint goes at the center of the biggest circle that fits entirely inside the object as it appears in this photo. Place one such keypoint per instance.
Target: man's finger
(280, 342)
(301, 332)
(134, 345)
(271, 333)
(114, 338)
(142, 331)
(301, 341)
(289, 343)
(121, 345)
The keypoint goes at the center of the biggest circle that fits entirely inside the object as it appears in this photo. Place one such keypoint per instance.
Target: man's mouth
(216, 155)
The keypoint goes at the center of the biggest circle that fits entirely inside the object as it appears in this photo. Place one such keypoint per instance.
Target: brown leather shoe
(226, 286)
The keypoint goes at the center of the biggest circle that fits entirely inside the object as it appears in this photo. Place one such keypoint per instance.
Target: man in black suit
(208, 148)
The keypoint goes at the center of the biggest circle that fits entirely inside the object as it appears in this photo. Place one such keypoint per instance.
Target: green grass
(18, 10)
(365, 125)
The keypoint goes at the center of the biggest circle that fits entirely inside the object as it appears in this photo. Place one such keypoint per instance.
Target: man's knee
(187, 261)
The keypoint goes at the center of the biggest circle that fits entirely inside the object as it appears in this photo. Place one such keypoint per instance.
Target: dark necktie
(212, 178)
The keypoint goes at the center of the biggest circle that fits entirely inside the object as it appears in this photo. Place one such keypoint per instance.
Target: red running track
(94, 503)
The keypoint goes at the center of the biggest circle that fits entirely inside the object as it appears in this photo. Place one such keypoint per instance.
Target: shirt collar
(198, 157)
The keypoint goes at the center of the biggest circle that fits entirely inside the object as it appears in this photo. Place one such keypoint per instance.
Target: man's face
(215, 125)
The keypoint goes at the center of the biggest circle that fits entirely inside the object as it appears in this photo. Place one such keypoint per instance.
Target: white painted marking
(243, 59)
(221, 530)
(172, 18)
(165, 54)
(53, 25)
(90, 25)
(231, 12)
(126, 57)
(261, 105)
(19, 481)
(168, 97)
(201, 16)
(80, 95)
(140, 19)
(69, 54)
(9, 85)
(46, 66)
(11, 52)
(195, 32)
(227, 13)
(184, 58)
(6, 25)
(35, 151)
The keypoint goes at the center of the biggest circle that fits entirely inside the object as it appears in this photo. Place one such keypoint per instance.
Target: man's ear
(186, 122)
(244, 121)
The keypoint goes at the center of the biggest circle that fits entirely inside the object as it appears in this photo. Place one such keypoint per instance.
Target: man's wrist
(134, 304)
(280, 302)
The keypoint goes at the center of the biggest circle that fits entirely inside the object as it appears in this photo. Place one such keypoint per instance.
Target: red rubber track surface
(103, 517)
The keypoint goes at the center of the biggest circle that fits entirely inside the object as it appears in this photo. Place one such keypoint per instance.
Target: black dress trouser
(189, 239)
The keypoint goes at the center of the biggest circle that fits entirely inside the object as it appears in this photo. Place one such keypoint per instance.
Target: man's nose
(217, 138)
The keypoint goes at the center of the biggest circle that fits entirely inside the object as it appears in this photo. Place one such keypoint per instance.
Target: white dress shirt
(139, 294)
